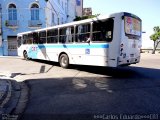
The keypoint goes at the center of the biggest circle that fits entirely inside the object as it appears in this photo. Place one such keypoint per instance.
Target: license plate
(133, 45)
(131, 55)
(132, 60)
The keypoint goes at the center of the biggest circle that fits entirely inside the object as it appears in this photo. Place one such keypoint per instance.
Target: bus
(110, 40)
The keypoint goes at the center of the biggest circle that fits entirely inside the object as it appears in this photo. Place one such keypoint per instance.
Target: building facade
(87, 11)
(25, 15)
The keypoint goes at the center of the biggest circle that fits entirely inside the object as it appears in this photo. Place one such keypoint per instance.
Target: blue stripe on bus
(33, 54)
(74, 46)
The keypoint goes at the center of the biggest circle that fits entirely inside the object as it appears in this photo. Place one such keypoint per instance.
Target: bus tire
(25, 55)
(64, 61)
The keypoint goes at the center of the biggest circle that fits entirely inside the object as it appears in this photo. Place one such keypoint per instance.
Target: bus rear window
(132, 26)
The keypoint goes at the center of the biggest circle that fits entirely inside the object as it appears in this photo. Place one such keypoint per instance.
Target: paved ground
(89, 92)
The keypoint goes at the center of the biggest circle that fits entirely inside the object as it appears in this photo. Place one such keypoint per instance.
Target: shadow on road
(129, 90)
(120, 72)
(67, 97)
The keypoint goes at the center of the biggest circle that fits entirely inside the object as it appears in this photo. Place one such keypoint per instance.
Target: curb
(16, 57)
(23, 100)
(6, 96)
(15, 99)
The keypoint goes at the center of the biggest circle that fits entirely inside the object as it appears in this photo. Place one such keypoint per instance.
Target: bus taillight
(121, 45)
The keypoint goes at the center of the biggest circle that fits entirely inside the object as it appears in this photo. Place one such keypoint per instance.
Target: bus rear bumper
(128, 61)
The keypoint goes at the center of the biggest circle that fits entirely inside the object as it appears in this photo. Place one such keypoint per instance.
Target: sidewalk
(13, 98)
(17, 57)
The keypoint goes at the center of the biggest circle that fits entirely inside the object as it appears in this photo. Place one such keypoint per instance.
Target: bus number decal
(87, 51)
(34, 48)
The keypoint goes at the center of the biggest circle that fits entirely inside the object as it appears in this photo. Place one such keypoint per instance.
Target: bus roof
(74, 23)
(101, 17)
(67, 24)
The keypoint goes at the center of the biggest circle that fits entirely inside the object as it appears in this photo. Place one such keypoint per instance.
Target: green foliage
(155, 37)
(156, 34)
(156, 29)
(85, 17)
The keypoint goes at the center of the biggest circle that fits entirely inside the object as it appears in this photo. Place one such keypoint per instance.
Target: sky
(147, 10)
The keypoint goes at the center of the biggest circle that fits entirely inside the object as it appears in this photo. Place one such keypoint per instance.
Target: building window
(34, 12)
(12, 12)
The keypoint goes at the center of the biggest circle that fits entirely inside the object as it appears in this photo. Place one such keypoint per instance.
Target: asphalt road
(84, 92)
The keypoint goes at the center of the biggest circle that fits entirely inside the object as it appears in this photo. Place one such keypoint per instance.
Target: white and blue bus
(112, 41)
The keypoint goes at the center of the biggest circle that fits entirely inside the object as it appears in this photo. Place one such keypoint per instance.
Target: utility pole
(0, 25)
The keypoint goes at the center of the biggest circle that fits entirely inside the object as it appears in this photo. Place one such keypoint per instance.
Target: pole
(0, 26)
(82, 8)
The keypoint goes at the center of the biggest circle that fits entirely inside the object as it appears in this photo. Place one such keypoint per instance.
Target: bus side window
(70, 35)
(109, 24)
(96, 32)
(35, 38)
(30, 38)
(52, 36)
(19, 41)
(82, 32)
(103, 31)
(25, 39)
(62, 35)
(42, 37)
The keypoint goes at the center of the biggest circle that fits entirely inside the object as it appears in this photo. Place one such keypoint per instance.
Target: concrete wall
(23, 18)
(65, 10)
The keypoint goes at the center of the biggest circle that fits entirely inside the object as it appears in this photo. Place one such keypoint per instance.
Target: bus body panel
(84, 54)
(129, 48)
(121, 50)
(113, 51)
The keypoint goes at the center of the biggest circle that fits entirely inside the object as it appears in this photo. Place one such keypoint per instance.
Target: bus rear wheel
(64, 61)
(25, 55)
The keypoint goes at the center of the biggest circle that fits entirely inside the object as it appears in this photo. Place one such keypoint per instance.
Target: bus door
(103, 34)
(19, 40)
(131, 40)
(92, 46)
(33, 49)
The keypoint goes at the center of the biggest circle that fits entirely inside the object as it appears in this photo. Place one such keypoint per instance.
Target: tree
(155, 37)
(85, 17)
